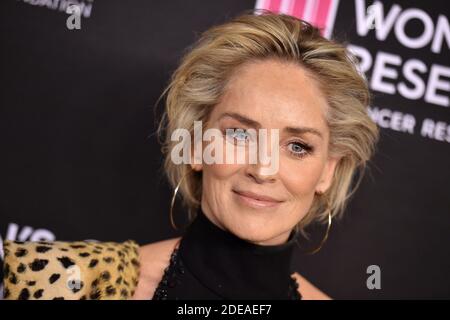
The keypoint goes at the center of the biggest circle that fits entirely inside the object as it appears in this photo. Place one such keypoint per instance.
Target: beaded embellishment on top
(171, 278)
(293, 293)
(175, 270)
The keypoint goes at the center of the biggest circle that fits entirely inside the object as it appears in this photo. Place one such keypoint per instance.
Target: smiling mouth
(256, 200)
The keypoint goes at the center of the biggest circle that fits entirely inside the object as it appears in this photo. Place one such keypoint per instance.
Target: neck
(233, 267)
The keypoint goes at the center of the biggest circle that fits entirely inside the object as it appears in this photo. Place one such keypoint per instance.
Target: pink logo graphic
(320, 13)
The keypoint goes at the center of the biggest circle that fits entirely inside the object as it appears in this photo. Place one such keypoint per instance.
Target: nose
(256, 173)
(266, 154)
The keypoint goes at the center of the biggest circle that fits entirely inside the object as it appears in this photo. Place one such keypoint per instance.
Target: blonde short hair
(198, 84)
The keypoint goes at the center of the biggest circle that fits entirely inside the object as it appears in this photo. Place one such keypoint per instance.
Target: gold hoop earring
(172, 203)
(324, 239)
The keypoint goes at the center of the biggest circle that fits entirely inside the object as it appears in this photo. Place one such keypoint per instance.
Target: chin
(254, 237)
(256, 232)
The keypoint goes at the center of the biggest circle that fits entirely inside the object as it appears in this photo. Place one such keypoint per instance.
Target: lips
(256, 200)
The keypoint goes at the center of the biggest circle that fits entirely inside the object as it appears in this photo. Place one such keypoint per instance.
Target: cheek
(300, 177)
(218, 175)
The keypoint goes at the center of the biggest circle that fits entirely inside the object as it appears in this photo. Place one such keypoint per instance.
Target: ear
(197, 167)
(196, 158)
(327, 174)
(196, 163)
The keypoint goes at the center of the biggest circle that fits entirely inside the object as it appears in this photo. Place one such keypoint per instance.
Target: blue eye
(299, 149)
(239, 135)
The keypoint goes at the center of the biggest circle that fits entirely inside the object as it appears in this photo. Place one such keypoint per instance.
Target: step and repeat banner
(80, 159)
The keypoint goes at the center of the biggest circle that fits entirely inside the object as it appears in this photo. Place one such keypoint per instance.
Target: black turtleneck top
(211, 263)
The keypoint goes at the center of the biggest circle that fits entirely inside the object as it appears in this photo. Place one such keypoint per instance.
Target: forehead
(276, 94)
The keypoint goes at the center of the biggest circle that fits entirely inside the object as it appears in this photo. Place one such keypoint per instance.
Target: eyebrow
(252, 123)
(301, 130)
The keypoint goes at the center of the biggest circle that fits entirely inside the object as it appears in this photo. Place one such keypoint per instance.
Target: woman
(264, 71)
(259, 71)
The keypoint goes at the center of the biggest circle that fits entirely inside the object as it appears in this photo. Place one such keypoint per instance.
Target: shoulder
(307, 290)
(153, 258)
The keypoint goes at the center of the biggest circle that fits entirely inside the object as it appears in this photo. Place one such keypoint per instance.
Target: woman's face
(242, 198)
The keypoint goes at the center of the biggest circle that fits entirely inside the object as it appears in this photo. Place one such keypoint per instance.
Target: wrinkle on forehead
(269, 83)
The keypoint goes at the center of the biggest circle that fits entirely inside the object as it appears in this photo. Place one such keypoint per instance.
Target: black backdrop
(79, 158)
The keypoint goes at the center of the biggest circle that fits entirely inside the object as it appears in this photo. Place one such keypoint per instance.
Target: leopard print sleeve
(70, 270)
